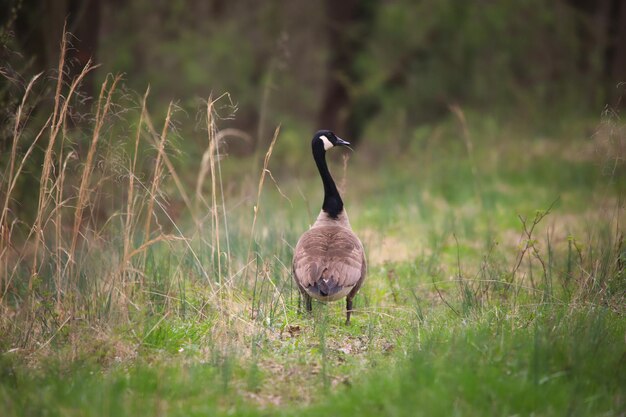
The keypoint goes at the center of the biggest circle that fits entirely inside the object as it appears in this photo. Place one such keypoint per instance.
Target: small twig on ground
(444, 300)
(529, 244)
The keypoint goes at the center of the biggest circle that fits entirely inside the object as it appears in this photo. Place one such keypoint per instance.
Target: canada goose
(329, 260)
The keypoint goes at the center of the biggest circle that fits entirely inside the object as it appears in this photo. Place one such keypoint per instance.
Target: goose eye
(327, 143)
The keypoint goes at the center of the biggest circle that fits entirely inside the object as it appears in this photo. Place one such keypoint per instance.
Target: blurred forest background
(367, 69)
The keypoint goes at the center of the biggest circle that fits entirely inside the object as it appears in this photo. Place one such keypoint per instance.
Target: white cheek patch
(327, 143)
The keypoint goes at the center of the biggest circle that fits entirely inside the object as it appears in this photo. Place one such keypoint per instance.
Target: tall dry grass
(69, 264)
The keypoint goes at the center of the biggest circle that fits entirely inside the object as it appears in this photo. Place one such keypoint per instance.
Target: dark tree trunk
(84, 24)
(605, 28)
(349, 25)
(39, 27)
(38, 30)
(615, 68)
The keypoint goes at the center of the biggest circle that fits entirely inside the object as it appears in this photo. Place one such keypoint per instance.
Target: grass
(150, 280)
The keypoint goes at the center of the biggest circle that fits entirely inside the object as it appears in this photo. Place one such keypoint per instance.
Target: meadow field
(142, 274)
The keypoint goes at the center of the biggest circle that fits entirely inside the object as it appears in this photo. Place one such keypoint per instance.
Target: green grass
(542, 361)
(447, 323)
(552, 364)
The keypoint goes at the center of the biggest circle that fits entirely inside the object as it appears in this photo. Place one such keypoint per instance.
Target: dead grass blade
(156, 178)
(130, 201)
(101, 114)
(266, 162)
(57, 120)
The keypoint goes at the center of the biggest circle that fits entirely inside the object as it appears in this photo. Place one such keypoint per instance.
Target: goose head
(323, 140)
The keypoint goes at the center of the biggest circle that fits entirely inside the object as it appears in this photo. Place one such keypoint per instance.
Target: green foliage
(524, 59)
(542, 360)
(498, 366)
(523, 55)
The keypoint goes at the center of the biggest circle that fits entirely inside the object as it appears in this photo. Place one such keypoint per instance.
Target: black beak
(341, 142)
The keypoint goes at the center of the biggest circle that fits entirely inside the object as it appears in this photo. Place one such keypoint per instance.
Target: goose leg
(307, 302)
(348, 310)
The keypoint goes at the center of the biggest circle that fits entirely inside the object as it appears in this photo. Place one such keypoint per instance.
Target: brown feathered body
(329, 260)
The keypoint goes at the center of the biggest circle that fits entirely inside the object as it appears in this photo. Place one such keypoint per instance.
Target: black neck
(333, 205)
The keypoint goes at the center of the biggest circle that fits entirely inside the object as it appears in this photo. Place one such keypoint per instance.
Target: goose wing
(333, 253)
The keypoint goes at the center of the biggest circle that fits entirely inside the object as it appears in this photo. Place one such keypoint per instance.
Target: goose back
(329, 260)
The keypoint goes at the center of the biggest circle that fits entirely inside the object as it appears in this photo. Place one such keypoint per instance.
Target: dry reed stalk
(204, 170)
(151, 137)
(101, 114)
(5, 235)
(217, 139)
(58, 223)
(170, 166)
(17, 132)
(48, 156)
(23, 253)
(58, 116)
(181, 234)
(214, 218)
(59, 186)
(142, 248)
(157, 174)
(266, 162)
(130, 203)
(58, 239)
(204, 165)
(24, 158)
